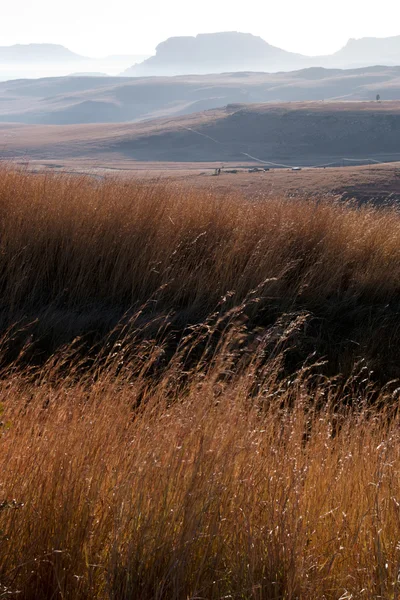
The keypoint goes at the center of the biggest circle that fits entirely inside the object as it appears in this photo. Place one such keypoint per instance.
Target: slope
(304, 133)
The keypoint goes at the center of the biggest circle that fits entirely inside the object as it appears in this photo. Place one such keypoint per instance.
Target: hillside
(295, 133)
(74, 100)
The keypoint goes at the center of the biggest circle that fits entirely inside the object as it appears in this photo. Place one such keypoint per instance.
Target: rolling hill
(79, 100)
(301, 133)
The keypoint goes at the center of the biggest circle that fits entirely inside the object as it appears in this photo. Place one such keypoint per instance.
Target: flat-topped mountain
(37, 53)
(234, 51)
(216, 53)
(370, 50)
(211, 53)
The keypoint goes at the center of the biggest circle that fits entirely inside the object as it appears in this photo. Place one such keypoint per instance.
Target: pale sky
(100, 27)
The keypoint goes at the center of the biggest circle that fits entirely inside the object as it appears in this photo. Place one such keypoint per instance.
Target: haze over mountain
(46, 60)
(37, 53)
(216, 52)
(203, 54)
(235, 51)
(382, 51)
(99, 99)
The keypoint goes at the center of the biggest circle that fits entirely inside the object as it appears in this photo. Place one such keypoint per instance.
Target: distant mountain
(216, 53)
(37, 53)
(211, 53)
(234, 51)
(369, 50)
(35, 61)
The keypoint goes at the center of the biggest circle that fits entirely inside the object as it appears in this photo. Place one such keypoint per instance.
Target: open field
(199, 391)
(375, 182)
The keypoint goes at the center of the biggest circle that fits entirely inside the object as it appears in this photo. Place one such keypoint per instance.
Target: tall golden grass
(201, 449)
(77, 255)
(204, 490)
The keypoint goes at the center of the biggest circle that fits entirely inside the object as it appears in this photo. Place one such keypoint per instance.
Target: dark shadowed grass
(77, 256)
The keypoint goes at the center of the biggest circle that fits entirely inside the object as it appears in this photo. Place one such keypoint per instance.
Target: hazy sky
(99, 27)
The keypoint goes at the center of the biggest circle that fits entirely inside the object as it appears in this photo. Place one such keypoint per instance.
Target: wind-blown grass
(227, 439)
(78, 255)
(205, 489)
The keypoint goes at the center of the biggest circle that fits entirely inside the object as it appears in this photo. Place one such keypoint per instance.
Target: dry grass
(78, 255)
(207, 490)
(217, 475)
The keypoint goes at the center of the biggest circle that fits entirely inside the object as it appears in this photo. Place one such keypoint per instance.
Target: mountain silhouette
(216, 52)
(37, 53)
(370, 50)
(235, 51)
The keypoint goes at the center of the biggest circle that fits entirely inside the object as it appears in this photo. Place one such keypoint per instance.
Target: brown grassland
(199, 394)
